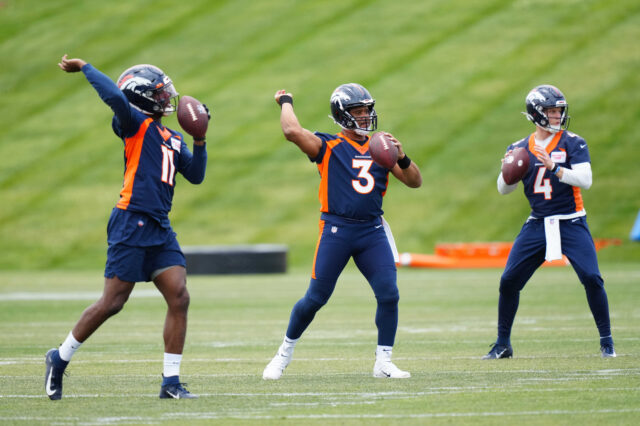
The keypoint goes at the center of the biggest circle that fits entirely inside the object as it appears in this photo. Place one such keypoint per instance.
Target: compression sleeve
(503, 187)
(578, 175)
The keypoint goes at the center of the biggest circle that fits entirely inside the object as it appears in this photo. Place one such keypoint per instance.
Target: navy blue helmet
(149, 89)
(348, 96)
(542, 97)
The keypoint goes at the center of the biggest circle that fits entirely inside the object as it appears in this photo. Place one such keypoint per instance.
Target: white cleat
(273, 370)
(388, 370)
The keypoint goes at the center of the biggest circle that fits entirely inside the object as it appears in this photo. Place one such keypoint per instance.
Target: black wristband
(555, 168)
(404, 162)
(285, 99)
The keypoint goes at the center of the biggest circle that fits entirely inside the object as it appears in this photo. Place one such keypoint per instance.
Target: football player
(351, 225)
(559, 168)
(141, 243)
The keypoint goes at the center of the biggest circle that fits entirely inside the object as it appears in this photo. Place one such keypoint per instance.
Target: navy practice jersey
(351, 184)
(546, 194)
(152, 154)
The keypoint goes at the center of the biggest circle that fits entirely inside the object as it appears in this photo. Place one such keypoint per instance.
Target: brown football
(383, 151)
(193, 117)
(515, 165)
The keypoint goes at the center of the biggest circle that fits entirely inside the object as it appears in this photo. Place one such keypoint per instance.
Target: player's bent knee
(112, 307)
(388, 299)
(181, 301)
(510, 284)
(592, 281)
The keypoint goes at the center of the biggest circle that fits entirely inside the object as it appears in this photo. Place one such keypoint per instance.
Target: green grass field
(449, 77)
(447, 321)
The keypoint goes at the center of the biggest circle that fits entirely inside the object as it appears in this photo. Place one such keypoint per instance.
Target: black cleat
(499, 352)
(608, 351)
(176, 391)
(52, 377)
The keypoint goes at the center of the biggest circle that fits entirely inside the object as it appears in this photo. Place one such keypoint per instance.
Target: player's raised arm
(71, 65)
(308, 143)
(405, 169)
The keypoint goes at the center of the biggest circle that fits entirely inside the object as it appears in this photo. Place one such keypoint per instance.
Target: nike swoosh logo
(574, 220)
(48, 386)
(500, 354)
(378, 226)
(582, 146)
(176, 396)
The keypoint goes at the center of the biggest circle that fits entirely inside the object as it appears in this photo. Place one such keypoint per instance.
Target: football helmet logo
(541, 98)
(347, 97)
(148, 89)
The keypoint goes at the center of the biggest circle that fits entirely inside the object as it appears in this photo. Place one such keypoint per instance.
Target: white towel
(552, 235)
(392, 242)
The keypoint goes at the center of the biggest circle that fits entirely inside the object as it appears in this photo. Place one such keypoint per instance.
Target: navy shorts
(138, 245)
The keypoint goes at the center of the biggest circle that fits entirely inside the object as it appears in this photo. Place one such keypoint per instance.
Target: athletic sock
(383, 353)
(68, 347)
(171, 365)
(289, 344)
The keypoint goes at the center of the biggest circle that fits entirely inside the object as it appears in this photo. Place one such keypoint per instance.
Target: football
(383, 151)
(193, 117)
(515, 165)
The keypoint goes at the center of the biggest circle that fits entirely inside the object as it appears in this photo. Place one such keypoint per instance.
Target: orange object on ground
(476, 255)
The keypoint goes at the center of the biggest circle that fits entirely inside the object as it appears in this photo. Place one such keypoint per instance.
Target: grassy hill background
(449, 79)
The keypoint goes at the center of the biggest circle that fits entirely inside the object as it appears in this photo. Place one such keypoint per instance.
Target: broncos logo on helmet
(148, 89)
(347, 97)
(541, 98)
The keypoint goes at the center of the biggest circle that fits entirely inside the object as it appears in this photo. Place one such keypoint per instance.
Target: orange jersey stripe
(132, 149)
(315, 255)
(577, 196)
(323, 168)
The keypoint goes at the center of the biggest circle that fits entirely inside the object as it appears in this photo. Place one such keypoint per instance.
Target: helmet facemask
(364, 124)
(166, 99)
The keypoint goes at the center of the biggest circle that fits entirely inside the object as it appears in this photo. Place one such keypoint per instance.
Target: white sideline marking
(76, 295)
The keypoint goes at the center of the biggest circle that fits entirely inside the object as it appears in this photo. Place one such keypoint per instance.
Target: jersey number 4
(364, 166)
(168, 168)
(542, 185)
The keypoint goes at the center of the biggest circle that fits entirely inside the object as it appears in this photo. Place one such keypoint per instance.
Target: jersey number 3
(168, 168)
(364, 166)
(541, 185)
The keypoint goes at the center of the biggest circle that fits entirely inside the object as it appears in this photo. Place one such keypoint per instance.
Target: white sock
(383, 353)
(288, 345)
(69, 347)
(172, 364)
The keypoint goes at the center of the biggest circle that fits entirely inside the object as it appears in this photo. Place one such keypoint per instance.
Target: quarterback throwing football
(559, 168)
(351, 190)
(141, 243)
